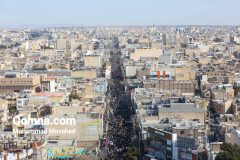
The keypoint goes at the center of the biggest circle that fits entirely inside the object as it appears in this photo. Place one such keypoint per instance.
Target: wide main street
(119, 115)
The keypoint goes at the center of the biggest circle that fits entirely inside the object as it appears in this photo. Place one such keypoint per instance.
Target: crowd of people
(119, 123)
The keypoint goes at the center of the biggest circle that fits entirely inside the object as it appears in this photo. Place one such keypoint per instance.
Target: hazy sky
(119, 12)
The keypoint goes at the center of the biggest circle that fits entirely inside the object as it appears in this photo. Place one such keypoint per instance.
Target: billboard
(65, 152)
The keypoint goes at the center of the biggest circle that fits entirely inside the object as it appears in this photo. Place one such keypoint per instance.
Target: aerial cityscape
(127, 81)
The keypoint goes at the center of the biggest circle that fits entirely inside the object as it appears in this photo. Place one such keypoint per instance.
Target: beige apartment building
(213, 73)
(222, 93)
(92, 61)
(3, 110)
(61, 44)
(184, 73)
(188, 131)
(143, 40)
(183, 111)
(204, 60)
(181, 86)
(233, 137)
(148, 53)
(87, 46)
(86, 74)
(10, 85)
(156, 45)
(222, 106)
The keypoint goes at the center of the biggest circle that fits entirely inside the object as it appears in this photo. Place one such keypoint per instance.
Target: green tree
(229, 152)
(132, 154)
(73, 96)
(238, 88)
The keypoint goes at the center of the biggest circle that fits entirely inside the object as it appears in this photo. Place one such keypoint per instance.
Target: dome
(35, 34)
(53, 35)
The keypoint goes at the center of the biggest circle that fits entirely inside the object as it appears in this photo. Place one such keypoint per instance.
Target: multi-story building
(61, 44)
(92, 61)
(233, 136)
(3, 110)
(162, 144)
(17, 84)
(183, 111)
(165, 58)
(180, 86)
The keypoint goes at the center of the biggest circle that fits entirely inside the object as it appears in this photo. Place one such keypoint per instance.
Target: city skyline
(106, 12)
(119, 80)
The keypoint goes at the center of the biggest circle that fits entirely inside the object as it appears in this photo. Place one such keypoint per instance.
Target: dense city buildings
(137, 92)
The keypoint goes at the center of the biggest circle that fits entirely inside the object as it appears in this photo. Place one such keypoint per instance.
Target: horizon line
(16, 26)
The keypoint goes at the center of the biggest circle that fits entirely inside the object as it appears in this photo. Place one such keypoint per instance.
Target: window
(169, 142)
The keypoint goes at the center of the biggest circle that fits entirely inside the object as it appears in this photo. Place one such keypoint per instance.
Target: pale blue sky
(119, 12)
